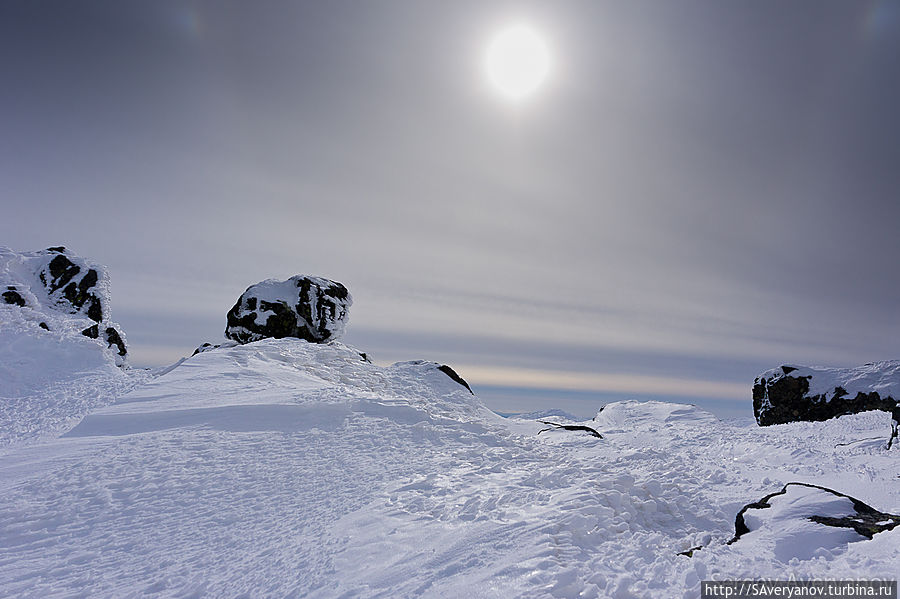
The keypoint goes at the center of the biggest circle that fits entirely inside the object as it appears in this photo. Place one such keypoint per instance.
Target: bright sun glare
(517, 62)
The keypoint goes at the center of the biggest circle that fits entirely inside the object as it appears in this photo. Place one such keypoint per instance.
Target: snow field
(286, 469)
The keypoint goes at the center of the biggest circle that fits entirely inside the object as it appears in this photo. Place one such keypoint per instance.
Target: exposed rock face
(895, 426)
(71, 287)
(453, 375)
(13, 296)
(310, 308)
(793, 393)
(205, 347)
(70, 291)
(109, 335)
(801, 518)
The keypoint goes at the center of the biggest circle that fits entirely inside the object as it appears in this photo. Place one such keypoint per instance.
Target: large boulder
(61, 291)
(310, 308)
(797, 393)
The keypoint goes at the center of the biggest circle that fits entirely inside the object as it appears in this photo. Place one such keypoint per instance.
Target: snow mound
(281, 384)
(802, 520)
(651, 415)
(544, 414)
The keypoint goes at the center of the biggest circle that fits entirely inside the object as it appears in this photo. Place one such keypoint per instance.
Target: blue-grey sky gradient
(700, 191)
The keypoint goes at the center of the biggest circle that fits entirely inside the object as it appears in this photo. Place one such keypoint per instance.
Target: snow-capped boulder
(797, 393)
(310, 308)
(62, 292)
(801, 519)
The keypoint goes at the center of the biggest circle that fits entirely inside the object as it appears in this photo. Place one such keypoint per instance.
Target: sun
(517, 62)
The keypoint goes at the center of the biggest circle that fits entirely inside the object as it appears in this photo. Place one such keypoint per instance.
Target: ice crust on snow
(285, 468)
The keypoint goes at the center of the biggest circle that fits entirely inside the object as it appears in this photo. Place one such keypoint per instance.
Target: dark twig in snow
(570, 427)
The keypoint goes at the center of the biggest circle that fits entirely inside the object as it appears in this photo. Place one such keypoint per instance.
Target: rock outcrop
(310, 308)
(795, 393)
(72, 287)
(70, 291)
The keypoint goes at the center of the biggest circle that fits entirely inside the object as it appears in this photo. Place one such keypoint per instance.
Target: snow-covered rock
(799, 393)
(56, 285)
(309, 308)
(57, 361)
(802, 519)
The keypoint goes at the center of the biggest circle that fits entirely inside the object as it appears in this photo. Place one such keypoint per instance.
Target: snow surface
(288, 469)
(49, 379)
(544, 414)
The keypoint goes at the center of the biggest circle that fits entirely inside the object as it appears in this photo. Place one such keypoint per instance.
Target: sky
(699, 191)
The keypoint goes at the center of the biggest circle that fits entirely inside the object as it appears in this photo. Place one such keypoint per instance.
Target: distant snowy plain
(287, 469)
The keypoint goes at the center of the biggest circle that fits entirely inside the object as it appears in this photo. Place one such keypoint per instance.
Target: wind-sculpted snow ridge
(283, 468)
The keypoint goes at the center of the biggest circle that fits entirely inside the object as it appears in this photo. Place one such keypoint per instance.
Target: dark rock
(209, 347)
(453, 375)
(570, 427)
(783, 394)
(310, 308)
(114, 339)
(44, 326)
(895, 426)
(203, 348)
(12, 296)
(72, 293)
(110, 335)
(690, 552)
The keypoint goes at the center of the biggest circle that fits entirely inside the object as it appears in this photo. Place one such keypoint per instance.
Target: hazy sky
(700, 190)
